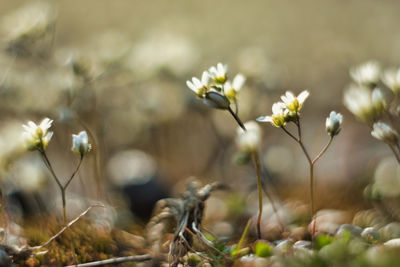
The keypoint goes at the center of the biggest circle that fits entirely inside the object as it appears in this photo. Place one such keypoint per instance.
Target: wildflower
(218, 74)
(80, 144)
(37, 136)
(199, 87)
(232, 89)
(367, 74)
(385, 133)
(279, 115)
(362, 103)
(334, 123)
(293, 103)
(391, 78)
(249, 140)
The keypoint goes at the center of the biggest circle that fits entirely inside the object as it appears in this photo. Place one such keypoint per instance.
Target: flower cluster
(214, 87)
(287, 110)
(37, 137)
(367, 102)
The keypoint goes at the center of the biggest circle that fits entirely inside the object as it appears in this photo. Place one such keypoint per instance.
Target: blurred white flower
(37, 136)
(197, 86)
(367, 74)
(391, 78)
(279, 115)
(219, 73)
(231, 90)
(334, 123)
(80, 144)
(378, 100)
(385, 133)
(359, 101)
(387, 177)
(293, 103)
(249, 140)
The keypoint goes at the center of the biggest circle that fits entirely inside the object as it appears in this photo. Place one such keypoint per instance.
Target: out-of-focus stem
(259, 187)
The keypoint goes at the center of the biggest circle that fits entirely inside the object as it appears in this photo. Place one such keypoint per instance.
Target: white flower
(334, 123)
(197, 86)
(249, 140)
(293, 103)
(80, 144)
(385, 133)
(359, 100)
(232, 89)
(367, 74)
(218, 74)
(391, 78)
(279, 115)
(37, 136)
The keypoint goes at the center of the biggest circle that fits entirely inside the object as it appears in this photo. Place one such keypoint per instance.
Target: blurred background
(118, 69)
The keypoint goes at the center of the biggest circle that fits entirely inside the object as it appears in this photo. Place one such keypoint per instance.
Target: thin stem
(290, 134)
(243, 237)
(48, 165)
(236, 117)
(312, 199)
(64, 204)
(323, 151)
(73, 174)
(259, 187)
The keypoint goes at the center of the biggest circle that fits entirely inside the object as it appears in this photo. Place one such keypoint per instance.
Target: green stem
(243, 237)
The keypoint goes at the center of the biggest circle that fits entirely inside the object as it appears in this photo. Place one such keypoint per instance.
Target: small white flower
(279, 115)
(385, 133)
(232, 89)
(80, 144)
(249, 140)
(37, 136)
(367, 74)
(293, 103)
(197, 86)
(359, 101)
(334, 123)
(218, 74)
(391, 78)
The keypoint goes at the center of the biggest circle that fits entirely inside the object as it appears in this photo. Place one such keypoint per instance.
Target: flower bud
(334, 123)
(216, 100)
(80, 144)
